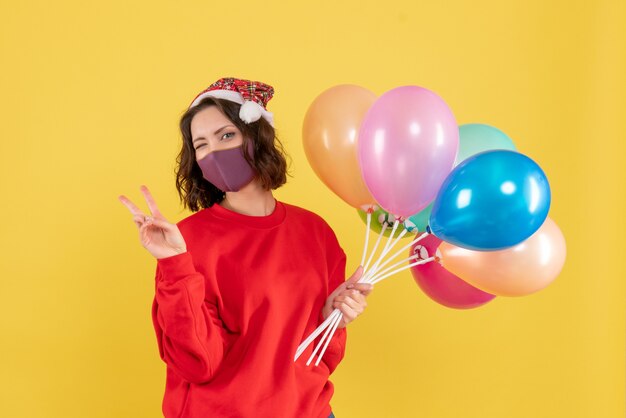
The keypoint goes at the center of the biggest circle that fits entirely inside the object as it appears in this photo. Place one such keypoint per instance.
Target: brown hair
(269, 161)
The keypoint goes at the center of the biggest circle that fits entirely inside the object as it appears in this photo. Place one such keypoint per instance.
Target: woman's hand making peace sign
(161, 238)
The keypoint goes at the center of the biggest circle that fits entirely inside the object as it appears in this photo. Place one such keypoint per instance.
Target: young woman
(245, 278)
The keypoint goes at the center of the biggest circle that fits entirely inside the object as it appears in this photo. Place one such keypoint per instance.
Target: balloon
(442, 286)
(407, 145)
(491, 201)
(329, 135)
(526, 268)
(379, 217)
(421, 219)
(476, 137)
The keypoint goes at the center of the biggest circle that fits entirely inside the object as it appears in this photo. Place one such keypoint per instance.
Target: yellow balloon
(517, 271)
(330, 134)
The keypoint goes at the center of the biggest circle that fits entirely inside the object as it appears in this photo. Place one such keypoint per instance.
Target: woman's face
(212, 131)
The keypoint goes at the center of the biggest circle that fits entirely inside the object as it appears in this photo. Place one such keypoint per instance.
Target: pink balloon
(407, 145)
(442, 286)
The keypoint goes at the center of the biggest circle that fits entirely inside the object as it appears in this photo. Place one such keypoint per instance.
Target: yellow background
(91, 93)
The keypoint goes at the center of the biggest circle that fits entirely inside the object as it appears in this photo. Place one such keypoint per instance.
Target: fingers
(147, 224)
(349, 297)
(349, 314)
(139, 220)
(338, 290)
(151, 202)
(161, 223)
(354, 299)
(143, 231)
(354, 278)
(350, 283)
(130, 205)
(356, 275)
(364, 288)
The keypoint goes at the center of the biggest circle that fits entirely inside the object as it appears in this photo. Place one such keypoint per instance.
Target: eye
(228, 133)
(199, 146)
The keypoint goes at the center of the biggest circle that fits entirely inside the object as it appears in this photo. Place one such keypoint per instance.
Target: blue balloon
(491, 201)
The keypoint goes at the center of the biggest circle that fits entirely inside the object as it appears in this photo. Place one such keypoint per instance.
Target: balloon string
(382, 254)
(315, 333)
(378, 266)
(375, 247)
(335, 319)
(380, 277)
(403, 249)
(393, 232)
(367, 236)
(380, 272)
(332, 332)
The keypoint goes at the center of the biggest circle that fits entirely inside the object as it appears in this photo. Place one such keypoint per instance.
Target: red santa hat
(251, 95)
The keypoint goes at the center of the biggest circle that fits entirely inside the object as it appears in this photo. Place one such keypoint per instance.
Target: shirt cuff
(176, 267)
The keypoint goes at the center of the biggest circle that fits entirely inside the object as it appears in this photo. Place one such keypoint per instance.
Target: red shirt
(230, 313)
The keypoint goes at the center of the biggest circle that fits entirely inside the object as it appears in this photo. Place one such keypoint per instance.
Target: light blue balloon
(491, 201)
(420, 219)
(475, 138)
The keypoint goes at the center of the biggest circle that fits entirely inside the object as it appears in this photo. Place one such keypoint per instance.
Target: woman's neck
(251, 200)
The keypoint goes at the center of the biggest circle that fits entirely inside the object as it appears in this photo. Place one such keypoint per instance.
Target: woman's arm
(184, 313)
(189, 331)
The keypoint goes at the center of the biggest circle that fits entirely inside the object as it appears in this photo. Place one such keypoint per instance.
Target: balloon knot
(409, 226)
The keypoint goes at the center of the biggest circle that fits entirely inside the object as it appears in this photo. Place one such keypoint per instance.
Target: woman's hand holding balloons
(349, 298)
(160, 237)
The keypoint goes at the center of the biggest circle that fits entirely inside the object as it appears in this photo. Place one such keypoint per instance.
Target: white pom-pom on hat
(252, 111)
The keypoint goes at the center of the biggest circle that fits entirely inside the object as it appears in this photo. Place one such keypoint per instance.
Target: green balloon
(375, 224)
(477, 137)
(421, 219)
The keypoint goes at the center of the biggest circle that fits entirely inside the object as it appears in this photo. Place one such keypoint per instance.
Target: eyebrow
(214, 133)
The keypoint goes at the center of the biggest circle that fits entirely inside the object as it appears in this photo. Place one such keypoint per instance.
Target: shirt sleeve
(336, 261)
(189, 332)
